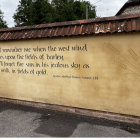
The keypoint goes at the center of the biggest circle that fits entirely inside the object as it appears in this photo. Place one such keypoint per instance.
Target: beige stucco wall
(114, 69)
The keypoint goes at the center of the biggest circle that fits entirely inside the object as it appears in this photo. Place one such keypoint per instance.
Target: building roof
(128, 4)
(99, 26)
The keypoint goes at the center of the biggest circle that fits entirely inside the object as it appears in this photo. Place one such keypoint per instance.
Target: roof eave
(126, 5)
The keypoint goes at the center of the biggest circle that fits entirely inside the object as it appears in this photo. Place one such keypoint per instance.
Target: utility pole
(86, 11)
(87, 8)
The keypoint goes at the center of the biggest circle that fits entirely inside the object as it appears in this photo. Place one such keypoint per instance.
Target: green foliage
(24, 13)
(2, 22)
(63, 10)
(67, 10)
(32, 12)
(42, 12)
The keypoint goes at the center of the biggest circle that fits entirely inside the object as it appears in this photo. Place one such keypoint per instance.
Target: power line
(97, 1)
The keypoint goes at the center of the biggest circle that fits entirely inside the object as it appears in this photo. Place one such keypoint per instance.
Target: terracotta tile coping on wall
(98, 26)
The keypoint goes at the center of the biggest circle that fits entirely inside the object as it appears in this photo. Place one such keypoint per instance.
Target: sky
(104, 8)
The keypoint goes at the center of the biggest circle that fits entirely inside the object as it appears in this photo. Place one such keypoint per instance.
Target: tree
(63, 10)
(42, 12)
(66, 10)
(2, 22)
(32, 12)
(24, 13)
(91, 10)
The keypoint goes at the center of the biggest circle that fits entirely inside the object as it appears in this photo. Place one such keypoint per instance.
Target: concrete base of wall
(98, 114)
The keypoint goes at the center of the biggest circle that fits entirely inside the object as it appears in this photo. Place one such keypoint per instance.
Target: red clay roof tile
(97, 26)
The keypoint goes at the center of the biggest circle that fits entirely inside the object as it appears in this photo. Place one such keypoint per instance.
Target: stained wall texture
(96, 72)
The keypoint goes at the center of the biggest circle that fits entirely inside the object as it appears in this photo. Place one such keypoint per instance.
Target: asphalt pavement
(22, 121)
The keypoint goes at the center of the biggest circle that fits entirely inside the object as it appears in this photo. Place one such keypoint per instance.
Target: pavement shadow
(5, 106)
(57, 125)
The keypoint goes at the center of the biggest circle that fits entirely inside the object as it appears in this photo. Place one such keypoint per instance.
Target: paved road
(21, 121)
